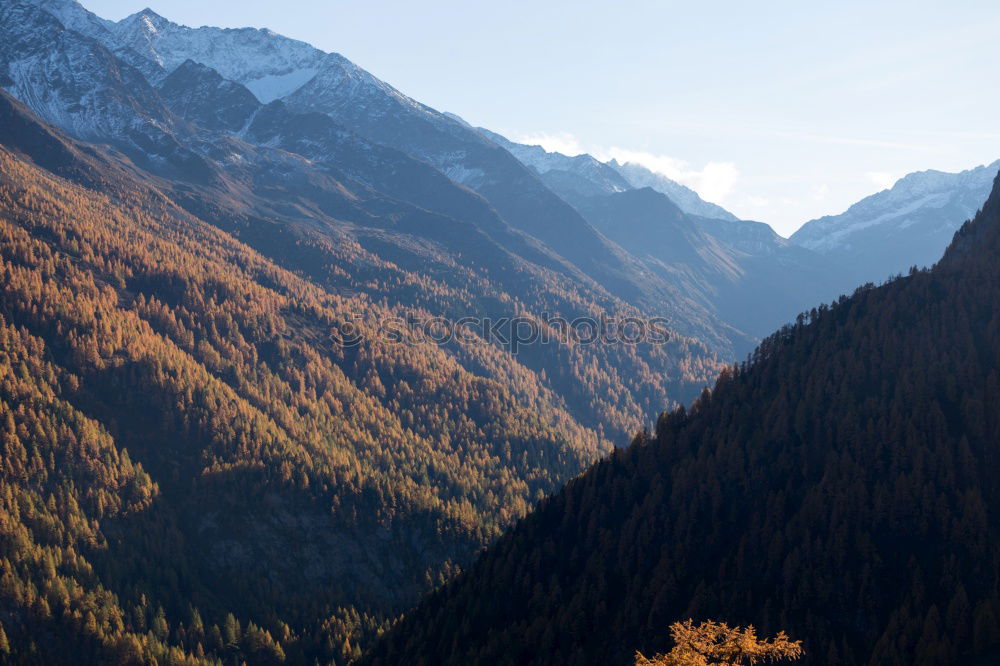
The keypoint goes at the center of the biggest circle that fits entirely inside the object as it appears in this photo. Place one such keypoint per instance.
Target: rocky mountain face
(76, 83)
(199, 94)
(907, 225)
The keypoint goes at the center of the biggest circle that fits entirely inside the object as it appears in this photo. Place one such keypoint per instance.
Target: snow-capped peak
(270, 65)
(901, 205)
(147, 17)
(906, 225)
(149, 20)
(75, 17)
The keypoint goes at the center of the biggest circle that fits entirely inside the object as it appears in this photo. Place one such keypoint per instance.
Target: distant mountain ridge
(583, 174)
(689, 201)
(742, 270)
(909, 224)
(586, 175)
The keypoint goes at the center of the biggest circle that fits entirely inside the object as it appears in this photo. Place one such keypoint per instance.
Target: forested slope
(195, 460)
(839, 486)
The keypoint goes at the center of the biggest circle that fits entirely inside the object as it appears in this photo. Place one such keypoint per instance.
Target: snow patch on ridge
(837, 236)
(275, 86)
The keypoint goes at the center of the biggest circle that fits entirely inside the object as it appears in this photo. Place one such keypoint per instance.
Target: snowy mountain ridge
(954, 196)
(590, 175)
(72, 81)
(586, 175)
(687, 199)
(274, 67)
(213, 103)
(270, 65)
(907, 225)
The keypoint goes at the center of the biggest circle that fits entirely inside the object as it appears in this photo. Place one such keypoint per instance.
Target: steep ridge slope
(839, 486)
(741, 270)
(378, 112)
(907, 225)
(359, 104)
(178, 408)
(307, 212)
(200, 95)
(651, 226)
(778, 278)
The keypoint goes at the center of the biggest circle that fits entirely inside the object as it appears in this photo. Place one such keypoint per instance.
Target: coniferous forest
(264, 397)
(839, 485)
(178, 408)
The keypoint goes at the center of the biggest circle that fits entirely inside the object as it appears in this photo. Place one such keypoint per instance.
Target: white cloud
(563, 142)
(882, 179)
(713, 182)
(820, 193)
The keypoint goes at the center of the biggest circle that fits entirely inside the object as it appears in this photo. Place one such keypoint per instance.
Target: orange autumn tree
(717, 644)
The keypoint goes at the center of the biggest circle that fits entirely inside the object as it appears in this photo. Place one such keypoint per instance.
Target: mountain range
(879, 237)
(906, 225)
(737, 269)
(208, 262)
(198, 79)
(258, 395)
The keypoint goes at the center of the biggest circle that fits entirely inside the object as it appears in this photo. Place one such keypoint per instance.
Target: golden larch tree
(717, 644)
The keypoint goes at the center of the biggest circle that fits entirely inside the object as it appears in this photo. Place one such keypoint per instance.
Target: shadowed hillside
(839, 486)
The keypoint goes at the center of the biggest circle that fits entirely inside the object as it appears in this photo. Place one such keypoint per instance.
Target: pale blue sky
(780, 111)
